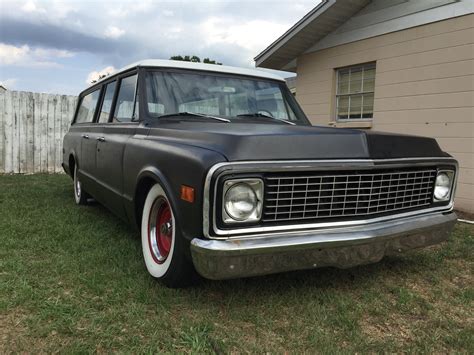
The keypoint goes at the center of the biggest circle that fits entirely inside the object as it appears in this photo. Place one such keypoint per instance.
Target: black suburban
(223, 174)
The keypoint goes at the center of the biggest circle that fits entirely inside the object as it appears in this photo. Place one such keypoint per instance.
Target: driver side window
(125, 107)
(271, 101)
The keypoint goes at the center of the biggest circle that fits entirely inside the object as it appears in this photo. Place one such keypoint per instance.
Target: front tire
(80, 196)
(163, 248)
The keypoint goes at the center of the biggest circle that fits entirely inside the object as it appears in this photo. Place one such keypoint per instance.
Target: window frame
(102, 86)
(102, 97)
(119, 79)
(364, 66)
(290, 99)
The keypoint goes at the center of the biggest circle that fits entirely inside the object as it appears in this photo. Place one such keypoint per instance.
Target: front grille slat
(410, 189)
(428, 194)
(305, 196)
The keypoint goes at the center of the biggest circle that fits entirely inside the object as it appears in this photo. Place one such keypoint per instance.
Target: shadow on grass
(326, 277)
(321, 278)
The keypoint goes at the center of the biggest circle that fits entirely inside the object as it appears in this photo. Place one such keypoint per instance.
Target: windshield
(230, 97)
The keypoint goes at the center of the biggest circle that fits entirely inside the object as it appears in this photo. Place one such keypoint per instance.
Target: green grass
(72, 279)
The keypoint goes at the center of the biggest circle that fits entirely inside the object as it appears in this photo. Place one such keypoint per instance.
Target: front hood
(255, 141)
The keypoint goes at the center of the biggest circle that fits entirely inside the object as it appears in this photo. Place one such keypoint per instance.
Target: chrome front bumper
(338, 247)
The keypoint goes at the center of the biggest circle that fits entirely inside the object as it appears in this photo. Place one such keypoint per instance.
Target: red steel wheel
(164, 250)
(160, 230)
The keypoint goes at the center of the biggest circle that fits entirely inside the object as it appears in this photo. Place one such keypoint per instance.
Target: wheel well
(72, 164)
(143, 186)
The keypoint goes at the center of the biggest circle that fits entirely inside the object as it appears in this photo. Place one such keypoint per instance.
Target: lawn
(72, 279)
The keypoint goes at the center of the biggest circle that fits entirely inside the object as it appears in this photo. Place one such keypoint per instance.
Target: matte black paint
(181, 152)
(263, 141)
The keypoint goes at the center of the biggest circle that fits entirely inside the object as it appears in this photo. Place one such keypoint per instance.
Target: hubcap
(77, 183)
(78, 189)
(160, 230)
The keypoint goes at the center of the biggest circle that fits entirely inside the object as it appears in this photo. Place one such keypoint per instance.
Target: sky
(59, 46)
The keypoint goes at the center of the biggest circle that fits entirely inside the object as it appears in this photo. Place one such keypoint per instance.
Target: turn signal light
(187, 193)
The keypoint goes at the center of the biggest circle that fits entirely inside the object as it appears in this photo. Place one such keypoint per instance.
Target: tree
(208, 61)
(194, 59)
(101, 76)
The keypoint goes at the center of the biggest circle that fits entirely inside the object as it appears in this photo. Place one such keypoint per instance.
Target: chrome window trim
(314, 165)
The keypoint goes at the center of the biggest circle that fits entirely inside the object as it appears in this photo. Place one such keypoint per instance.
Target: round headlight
(240, 201)
(442, 186)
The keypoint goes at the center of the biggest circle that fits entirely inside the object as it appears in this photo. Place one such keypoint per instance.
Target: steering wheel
(266, 112)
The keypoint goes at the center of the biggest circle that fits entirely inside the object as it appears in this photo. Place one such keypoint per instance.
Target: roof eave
(310, 16)
(325, 18)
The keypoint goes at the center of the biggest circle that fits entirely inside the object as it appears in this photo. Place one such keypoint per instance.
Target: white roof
(200, 66)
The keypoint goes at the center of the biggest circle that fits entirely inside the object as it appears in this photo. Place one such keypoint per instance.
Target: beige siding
(424, 86)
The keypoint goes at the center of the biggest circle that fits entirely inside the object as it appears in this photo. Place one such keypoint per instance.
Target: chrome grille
(322, 195)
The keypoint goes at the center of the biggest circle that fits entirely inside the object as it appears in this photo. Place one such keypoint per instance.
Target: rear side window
(87, 108)
(107, 102)
(125, 107)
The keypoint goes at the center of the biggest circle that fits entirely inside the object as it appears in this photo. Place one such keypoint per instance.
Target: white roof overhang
(319, 22)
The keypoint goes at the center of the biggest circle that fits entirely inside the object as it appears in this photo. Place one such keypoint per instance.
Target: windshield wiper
(258, 114)
(184, 113)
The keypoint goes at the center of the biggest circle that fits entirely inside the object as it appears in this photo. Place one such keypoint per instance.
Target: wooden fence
(32, 127)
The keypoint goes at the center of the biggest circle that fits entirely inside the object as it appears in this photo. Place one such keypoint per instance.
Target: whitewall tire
(80, 196)
(163, 247)
(158, 243)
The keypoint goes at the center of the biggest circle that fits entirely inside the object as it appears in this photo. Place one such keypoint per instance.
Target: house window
(355, 92)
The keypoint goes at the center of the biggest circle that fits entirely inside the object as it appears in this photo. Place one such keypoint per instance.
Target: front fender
(152, 173)
(172, 165)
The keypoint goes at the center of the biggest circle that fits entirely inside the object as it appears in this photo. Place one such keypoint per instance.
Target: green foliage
(72, 280)
(194, 59)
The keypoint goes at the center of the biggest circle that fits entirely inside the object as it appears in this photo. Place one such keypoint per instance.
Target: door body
(87, 161)
(110, 152)
(88, 131)
(111, 143)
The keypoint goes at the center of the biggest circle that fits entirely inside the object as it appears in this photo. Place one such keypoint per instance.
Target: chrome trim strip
(340, 247)
(314, 165)
(327, 238)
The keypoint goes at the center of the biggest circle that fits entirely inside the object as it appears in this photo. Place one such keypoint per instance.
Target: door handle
(85, 136)
(101, 139)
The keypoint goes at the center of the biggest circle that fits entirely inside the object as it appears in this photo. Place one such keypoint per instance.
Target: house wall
(424, 86)
(386, 16)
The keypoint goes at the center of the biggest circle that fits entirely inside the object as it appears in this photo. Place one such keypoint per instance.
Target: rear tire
(80, 196)
(163, 247)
